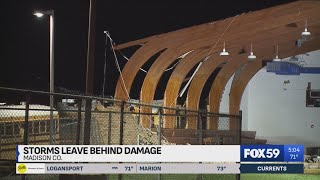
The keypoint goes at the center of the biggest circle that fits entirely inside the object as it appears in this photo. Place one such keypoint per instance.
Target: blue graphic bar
(272, 153)
(293, 153)
(272, 168)
(262, 153)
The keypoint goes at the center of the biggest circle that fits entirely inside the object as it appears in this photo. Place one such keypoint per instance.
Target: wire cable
(168, 69)
(105, 65)
(117, 64)
(125, 57)
(234, 18)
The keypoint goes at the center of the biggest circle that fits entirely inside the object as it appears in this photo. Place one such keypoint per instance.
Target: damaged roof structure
(260, 32)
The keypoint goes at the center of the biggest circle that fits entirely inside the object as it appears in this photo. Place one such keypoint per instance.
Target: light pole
(39, 14)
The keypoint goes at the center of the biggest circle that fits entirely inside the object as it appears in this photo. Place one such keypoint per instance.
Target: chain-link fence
(28, 118)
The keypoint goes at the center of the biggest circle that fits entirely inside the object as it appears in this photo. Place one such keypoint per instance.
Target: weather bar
(132, 168)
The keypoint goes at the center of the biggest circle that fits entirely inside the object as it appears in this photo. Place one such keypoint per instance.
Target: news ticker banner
(163, 153)
(163, 168)
(127, 153)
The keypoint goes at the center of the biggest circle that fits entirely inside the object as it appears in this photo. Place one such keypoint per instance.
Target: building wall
(277, 111)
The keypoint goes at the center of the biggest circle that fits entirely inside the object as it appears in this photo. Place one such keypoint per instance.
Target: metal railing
(112, 122)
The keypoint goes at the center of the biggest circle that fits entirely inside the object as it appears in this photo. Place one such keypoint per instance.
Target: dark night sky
(25, 42)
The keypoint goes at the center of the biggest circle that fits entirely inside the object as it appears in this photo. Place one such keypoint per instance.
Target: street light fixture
(38, 14)
(51, 14)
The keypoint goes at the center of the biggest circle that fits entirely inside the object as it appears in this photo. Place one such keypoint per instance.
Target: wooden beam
(176, 79)
(134, 43)
(197, 84)
(133, 66)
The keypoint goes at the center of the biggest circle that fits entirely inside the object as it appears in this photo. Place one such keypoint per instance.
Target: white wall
(278, 112)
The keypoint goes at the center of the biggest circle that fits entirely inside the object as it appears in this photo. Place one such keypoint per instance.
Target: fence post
(121, 122)
(121, 130)
(200, 128)
(26, 122)
(87, 122)
(160, 125)
(238, 176)
(159, 132)
(109, 129)
(79, 121)
(52, 121)
(139, 116)
(26, 127)
(240, 126)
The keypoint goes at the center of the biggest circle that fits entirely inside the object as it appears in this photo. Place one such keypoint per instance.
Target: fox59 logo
(262, 153)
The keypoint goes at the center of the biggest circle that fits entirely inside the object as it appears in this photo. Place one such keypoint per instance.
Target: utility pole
(90, 70)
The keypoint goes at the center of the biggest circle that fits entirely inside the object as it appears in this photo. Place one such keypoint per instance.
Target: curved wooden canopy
(278, 25)
(213, 26)
(157, 43)
(264, 52)
(230, 68)
(240, 83)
